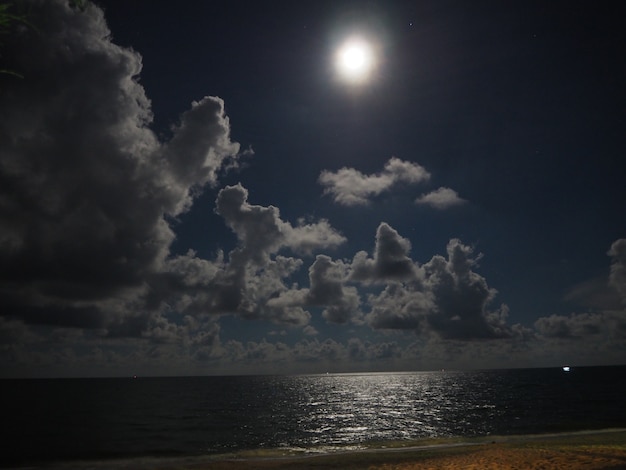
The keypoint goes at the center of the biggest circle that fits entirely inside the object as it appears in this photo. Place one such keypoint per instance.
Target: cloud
(258, 352)
(310, 331)
(583, 325)
(608, 321)
(597, 336)
(256, 275)
(449, 299)
(86, 186)
(595, 294)
(327, 279)
(315, 351)
(88, 191)
(401, 307)
(617, 277)
(13, 334)
(350, 187)
(360, 351)
(390, 261)
(463, 296)
(240, 287)
(442, 198)
(261, 232)
(251, 280)
(328, 289)
(446, 304)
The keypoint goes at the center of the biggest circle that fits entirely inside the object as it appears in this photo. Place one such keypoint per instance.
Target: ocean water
(66, 419)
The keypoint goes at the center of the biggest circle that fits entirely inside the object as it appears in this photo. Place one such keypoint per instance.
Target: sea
(65, 420)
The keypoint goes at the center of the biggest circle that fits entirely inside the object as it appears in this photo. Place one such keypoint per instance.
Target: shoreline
(595, 449)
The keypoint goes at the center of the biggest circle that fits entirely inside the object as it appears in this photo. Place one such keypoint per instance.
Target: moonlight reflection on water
(203, 415)
(353, 408)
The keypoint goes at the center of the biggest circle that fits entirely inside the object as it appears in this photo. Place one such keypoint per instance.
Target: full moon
(355, 60)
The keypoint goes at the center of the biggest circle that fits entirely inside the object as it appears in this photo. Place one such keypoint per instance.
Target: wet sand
(594, 450)
(605, 449)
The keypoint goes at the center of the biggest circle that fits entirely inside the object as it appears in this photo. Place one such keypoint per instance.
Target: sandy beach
(605, 449)
(592, 450)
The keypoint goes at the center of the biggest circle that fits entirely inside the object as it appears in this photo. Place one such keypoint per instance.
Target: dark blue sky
(463, 207)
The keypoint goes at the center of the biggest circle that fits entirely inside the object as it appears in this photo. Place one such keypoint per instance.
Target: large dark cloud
(463, 297)
(390, 261)
(88, 189)
(86, 186)
(444, 296)
(327, 280)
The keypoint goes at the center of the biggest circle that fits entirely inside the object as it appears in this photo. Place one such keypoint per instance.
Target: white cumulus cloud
(441, 198)
(350, 187)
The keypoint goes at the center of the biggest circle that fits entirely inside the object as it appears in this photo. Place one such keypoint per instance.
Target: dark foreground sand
(604, 449)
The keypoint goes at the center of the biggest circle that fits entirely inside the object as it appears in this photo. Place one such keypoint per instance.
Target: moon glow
(355, 60)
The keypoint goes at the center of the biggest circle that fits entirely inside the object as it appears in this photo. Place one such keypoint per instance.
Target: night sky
(200, 188)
